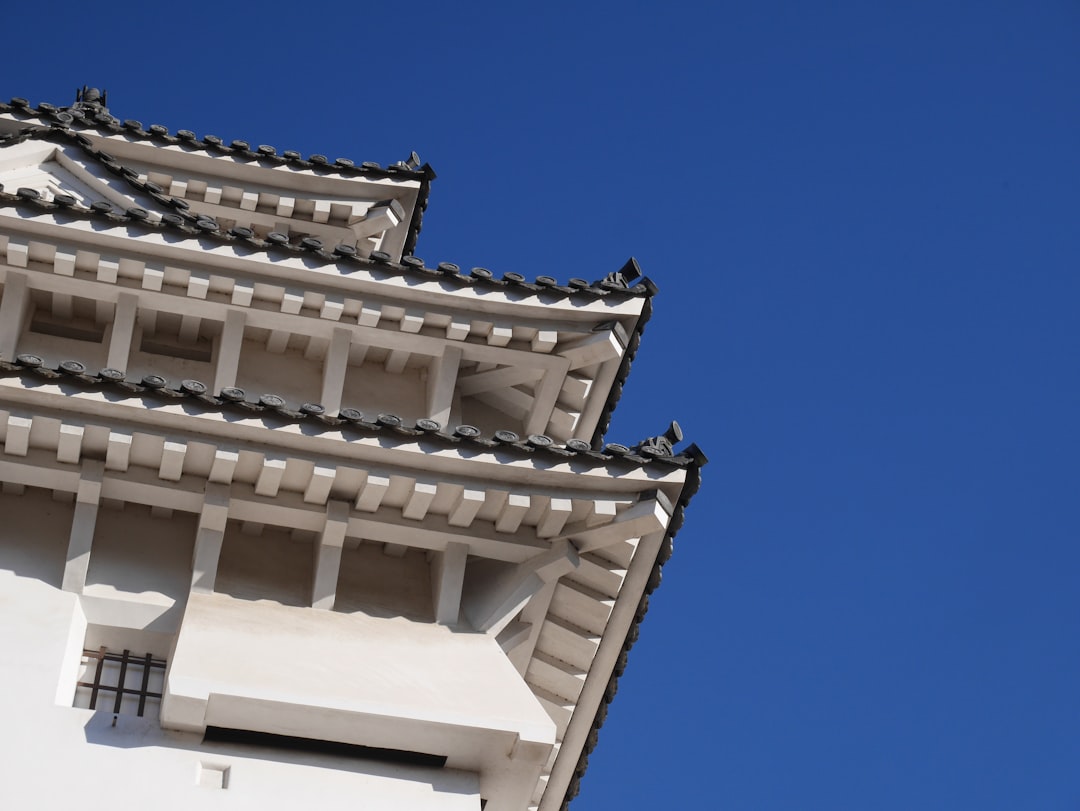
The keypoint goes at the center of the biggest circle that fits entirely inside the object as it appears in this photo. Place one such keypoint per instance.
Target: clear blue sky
(863, 221)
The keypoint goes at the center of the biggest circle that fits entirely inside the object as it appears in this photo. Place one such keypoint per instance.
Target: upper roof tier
(227, 227)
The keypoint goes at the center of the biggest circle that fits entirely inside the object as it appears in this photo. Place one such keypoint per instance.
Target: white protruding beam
(602, 511)
(533, 616)
(209, 538)
(332, 309)
(118, 453)
(517, 504)
(575, 390)
(369, 315)
(64, 263)
(545, 340)
(447, 580)
(229, 344)
(172, 461)
(595, 348)
(554, 517)
(512, 402)
(647, 516)
(69, 444)
(14, 308)
(494, 596)
(223, 466)
(108, 270)
(198, 286)
(84, 519)
(441, 384)
(123, 331)
(189, 328)
(242, 294)
(412, 321)
(396, 360)
(320, 212)
(103, 311)
(269, 480)
(316, 348)
(465, 508)
(63, 306)
(17, 441)
(545, 396)
(328, 555)
(318, 489)
(18, 253)
(371, 494)
(334, 368)
(500, 336)
(458, 329)
(153, 278)
(505, 377)
(416, 507)
(291, 303)
(277, 341)
(516, 633)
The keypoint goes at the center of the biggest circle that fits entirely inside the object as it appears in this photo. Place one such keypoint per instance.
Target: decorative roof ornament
(624, 276)
(663, 445)
(91, 99)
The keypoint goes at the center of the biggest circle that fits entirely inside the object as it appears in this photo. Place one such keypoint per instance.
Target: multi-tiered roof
(243, 334)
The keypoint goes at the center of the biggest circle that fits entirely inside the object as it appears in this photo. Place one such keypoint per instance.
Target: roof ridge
(102, 121)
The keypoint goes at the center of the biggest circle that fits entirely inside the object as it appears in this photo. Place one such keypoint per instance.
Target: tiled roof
(106, 124)
(275, 411)
(175, 216)
(678, 517)
(83, 116)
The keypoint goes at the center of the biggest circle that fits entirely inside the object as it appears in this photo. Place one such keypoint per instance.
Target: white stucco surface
(53, 755)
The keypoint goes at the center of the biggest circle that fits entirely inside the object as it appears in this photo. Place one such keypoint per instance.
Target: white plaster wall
(383, 585)
(53, 755)
(375, 681)
(55, 348)
(269, 565)
(287, 374)
(172, 368)
(372, 390)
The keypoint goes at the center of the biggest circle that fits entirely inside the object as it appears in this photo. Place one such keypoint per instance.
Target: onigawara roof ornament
(91, 98)
(662, 445)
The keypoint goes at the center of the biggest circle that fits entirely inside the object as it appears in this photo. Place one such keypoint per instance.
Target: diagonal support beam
(495, 595)
(647, 516)
(81, 539)
(497, 379)
(209, 538)
(328, 555)
(600, 346)
(447, 581)
(334, 368)
(14, 309)
(442, 380)
(122, 334)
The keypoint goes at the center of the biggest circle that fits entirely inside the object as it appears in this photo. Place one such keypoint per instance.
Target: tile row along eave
(71, 379)
(166, 213)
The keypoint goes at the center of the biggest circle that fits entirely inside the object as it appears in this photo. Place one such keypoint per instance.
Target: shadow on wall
(130, 732)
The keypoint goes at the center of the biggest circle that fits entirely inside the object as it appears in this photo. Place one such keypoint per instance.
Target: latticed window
(121, 683)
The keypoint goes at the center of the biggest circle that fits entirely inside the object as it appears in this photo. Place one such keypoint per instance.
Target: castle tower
(288, 515)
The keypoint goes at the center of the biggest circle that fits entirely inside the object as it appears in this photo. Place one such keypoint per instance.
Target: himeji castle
(288, 515)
